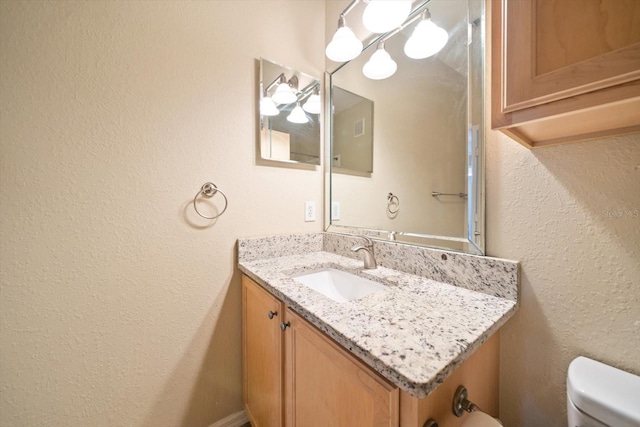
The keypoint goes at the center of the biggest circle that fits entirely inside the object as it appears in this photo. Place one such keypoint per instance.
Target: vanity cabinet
(565, 70)
(326, 386)
(321, 383)
(262, 354)
(296, 376)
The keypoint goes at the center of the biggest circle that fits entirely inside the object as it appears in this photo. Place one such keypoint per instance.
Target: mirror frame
(449, 243)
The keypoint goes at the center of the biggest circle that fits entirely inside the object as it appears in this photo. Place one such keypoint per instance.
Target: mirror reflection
(352, 132)
(426, 179)
(289, 115)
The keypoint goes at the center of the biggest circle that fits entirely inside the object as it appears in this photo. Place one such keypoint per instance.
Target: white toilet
(599, 395)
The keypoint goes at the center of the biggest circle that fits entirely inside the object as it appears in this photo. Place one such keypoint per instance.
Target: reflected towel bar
(437, 193)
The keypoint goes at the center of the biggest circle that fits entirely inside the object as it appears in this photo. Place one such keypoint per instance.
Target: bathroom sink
(338, 285)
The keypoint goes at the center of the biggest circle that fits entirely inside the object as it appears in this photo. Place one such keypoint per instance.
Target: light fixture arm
(341, 21)
(421, 11)
(293, 82)
(312, 89)
(425, 14)
(280, 79)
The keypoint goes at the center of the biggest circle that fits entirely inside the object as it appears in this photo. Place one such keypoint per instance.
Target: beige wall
(119, 306)
(556, 210)
(562, 212)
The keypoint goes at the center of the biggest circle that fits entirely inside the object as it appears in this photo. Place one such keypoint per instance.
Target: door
(326, 386)
(262, 355)
(555, 49)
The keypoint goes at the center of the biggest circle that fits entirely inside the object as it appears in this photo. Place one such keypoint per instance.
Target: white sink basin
(338, 285)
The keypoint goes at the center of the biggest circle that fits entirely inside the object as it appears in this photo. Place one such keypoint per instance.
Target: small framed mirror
(289, 109)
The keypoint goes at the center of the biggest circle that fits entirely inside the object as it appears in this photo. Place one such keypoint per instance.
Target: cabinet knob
(284, 326)
(430, 423)
(272, 314)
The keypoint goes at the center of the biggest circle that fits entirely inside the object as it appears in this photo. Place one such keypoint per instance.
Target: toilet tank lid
(604, 392)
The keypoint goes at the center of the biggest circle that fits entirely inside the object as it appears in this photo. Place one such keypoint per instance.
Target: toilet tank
(599, 394)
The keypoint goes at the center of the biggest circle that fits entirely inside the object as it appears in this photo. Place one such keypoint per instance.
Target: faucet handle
(368, 241)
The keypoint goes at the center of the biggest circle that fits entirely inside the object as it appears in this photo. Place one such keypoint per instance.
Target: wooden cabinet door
(555, 49)
(326, 386)
(262, 348)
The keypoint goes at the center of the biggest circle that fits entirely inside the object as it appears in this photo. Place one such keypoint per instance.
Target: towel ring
(392, 200)
(209, 189)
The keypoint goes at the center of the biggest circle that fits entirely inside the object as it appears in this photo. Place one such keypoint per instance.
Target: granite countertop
(414, 333)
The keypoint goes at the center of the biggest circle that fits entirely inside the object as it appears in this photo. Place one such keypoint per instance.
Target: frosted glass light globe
(297, 115)
(344, 45)
(284, 94)
(427, 40)
(312, 105)
(381, 16)
(380, 65)
(268, 107)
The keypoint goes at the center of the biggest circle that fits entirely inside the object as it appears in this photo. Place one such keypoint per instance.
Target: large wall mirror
(290, 110)
(420, 178)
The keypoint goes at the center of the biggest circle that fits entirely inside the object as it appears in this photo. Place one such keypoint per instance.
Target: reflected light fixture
(285, 92)
(380, 65)
(381, 16)
(313, 103)
(344, 45)
(427, 39)
(268, 107)
(297, 115)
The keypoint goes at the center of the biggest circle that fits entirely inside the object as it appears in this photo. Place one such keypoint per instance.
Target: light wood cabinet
(326, 386)
(565, 70)
(296, 376)
(323, 384)
(262, 352)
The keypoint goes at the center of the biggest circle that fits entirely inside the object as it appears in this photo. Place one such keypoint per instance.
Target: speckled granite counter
(415, 332)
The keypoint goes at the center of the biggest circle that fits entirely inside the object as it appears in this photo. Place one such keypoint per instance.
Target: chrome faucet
(367, 248)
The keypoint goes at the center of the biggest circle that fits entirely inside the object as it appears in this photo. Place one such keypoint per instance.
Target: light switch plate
(335, 211)
(309, 211)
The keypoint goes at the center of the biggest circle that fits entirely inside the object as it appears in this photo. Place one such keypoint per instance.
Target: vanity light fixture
(380, 65)
(297, 115)
(427, 38)
(268, 107)
(381, 16)
(285, 92)
(390, 17)
(344, 45)
(313, 103)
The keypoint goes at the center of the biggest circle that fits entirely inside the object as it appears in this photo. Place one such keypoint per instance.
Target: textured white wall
(119, 306)
(571, 215)
(116, 310)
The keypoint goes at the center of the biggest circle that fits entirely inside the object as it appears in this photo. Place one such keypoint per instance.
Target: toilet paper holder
(461, 402)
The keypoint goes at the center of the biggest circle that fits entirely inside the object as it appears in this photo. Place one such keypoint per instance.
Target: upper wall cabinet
(565, 70)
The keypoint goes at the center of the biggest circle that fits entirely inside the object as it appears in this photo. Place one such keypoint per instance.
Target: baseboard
(234, 420)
